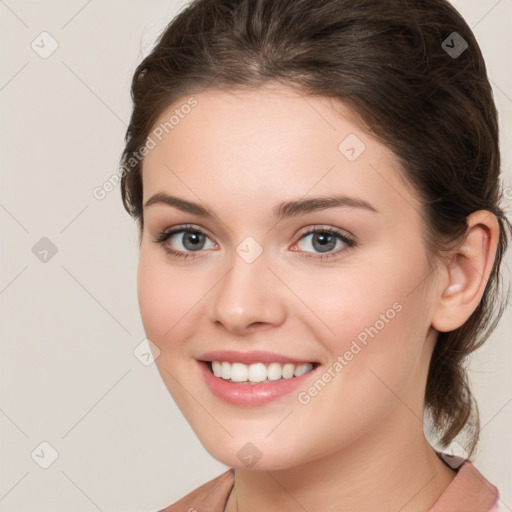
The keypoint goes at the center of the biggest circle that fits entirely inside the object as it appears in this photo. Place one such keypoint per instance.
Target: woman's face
(352, 297)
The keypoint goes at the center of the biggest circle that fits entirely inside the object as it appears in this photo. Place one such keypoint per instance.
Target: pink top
(469, 491)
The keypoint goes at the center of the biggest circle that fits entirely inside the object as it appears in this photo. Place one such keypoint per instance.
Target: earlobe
(467, 272)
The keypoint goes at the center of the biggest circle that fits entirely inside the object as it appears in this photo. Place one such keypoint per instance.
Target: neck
(394, 469)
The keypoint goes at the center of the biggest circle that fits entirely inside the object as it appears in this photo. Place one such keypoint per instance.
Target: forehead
(268, 143)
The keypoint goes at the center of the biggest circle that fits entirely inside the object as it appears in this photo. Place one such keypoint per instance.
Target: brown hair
(387, 62)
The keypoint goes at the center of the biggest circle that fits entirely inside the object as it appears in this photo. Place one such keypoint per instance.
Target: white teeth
(239, 372)
(301, 369)
(258, 372)
(288, 370)
(274, 371)
(226, 370)
(217, 368)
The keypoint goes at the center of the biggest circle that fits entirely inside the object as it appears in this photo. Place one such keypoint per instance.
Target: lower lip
(251, 394)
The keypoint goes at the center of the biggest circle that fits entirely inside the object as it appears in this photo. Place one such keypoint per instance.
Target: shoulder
(469, 490)
(211, 496)
(499, 507)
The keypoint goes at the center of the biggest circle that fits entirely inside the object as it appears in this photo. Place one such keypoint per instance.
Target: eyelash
(162, 237)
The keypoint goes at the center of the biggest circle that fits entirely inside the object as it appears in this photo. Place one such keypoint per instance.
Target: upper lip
(253, 356)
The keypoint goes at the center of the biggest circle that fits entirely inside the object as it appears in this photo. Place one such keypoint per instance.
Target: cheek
(166, 302)
(372, 317)
(374, 357)
(166, 299)
(153, 297)
(354, 302)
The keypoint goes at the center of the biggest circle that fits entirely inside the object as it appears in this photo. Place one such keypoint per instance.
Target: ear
(460, 292)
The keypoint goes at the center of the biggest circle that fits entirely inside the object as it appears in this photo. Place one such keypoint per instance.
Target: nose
(248, 298)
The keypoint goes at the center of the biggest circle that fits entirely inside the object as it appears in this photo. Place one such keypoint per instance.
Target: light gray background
(70, 325)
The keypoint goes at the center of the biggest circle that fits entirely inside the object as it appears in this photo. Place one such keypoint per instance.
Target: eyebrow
(283, 210)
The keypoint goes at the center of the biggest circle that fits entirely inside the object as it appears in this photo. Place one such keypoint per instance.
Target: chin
(257, 455)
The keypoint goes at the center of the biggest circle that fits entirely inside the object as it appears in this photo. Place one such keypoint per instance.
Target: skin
(359, 443)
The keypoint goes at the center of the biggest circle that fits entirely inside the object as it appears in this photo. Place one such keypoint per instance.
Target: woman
(317, 190)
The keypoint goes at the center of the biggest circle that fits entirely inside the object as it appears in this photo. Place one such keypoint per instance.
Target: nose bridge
(247, 294)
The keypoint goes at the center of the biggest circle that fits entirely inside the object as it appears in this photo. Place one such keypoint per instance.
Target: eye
(184, 241)
(324, 240)
(179, 241)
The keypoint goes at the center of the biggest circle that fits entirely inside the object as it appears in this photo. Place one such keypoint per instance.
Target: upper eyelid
(179, 229)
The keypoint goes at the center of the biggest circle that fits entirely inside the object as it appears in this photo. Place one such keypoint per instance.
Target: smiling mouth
(257, 373)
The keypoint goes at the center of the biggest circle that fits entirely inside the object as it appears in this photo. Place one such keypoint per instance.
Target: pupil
(196, 240)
